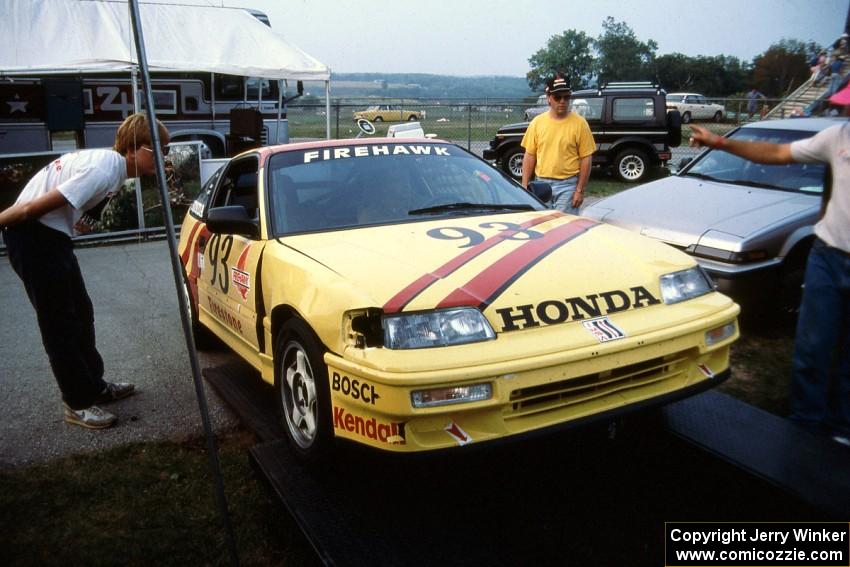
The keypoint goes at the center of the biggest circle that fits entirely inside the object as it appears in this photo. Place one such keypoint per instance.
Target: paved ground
(141, 340)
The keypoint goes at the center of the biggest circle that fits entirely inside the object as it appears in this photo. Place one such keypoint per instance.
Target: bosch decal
(242, 281)
(366, 151)
(603, 329)
(575, 308)
(354, 388)
(391, 433)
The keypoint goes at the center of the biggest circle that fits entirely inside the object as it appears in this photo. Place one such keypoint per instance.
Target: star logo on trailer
(17, 105)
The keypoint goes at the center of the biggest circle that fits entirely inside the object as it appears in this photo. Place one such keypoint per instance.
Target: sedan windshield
(722, 166)
(349, 186)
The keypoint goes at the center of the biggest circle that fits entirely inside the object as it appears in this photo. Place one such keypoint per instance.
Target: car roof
(804, 124)
(684, 94)
(264, 150)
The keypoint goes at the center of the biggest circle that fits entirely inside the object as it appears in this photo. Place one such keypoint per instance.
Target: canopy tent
(94, 36)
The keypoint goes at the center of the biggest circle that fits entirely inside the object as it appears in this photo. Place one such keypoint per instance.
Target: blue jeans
(820, 386)
(562, 193)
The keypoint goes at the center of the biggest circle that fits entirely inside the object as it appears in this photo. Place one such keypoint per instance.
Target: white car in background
(693, 106)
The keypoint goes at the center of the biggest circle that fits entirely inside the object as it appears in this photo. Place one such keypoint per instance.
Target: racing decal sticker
(409, 293)
(376, 150)
(391, 433)
(603, 329)
(484, 288)
(354, 388)
(457, 433)
(705, 370)
(241, 281)
(221, 312)
(554, 311)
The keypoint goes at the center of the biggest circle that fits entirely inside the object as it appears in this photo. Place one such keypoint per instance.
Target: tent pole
(134, 92)
(177, 271)
(328, 109)
(280, 83)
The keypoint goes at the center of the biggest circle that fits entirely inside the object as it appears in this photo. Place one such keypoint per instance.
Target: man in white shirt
(820, 388)
(55, 205)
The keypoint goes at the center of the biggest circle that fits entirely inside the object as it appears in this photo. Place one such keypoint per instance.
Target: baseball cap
(841, 97)
(558, 85)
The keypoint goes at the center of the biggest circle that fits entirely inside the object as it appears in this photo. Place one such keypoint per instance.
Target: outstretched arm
(760, 152)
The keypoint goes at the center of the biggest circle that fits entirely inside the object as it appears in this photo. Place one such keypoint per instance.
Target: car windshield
(723, 166)
(360, 185)
(675, 98)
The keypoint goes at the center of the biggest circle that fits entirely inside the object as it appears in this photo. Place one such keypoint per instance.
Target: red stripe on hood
(406, 295)
(484, 288)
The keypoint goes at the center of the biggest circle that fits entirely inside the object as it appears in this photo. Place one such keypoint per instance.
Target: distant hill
(419, 85)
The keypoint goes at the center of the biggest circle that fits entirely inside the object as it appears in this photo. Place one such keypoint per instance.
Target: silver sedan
(749, 225)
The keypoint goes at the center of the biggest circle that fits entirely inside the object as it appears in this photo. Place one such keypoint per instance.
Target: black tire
(512, 162)
(412, 118)
(378, 119)
(631, 166)
(303, 393)
(686, 117)
(204, 338)
(718, 116)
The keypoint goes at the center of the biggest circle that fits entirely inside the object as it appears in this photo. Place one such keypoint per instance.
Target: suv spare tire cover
(674, 127)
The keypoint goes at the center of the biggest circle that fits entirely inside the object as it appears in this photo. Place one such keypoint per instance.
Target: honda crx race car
(406, 295)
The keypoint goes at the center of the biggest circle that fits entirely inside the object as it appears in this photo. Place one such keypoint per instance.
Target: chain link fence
(471, 124)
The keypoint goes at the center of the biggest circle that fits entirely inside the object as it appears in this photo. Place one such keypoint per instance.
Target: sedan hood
(500, 261)
(680, 210)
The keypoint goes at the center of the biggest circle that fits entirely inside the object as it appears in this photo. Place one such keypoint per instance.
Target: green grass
(143, 504)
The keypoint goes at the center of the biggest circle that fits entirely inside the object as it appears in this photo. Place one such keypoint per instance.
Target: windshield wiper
(469, 206)
(703, 176)
(759, 184)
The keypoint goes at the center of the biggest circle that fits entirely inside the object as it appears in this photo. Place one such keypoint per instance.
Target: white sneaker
(841, 439)
(92, 417)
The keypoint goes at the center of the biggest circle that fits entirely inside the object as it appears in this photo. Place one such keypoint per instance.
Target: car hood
(494, 262)
(681, 210)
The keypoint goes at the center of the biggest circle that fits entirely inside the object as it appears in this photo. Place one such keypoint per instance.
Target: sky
(496, 37)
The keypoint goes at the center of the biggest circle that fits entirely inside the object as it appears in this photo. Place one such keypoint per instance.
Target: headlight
(684, 285)
(436, 328)
(451, 395)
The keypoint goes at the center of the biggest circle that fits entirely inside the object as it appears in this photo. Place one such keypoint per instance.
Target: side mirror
(541, 190)
(232, 220)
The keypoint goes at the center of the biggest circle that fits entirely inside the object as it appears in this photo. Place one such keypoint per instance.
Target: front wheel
(303, 394)
(411, 118)
(718, 116)
(512, 162)
(686, 118)
(378, 119)
(631, 166)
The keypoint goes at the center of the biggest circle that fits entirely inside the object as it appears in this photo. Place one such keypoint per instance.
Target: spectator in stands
(56, 204)
(820, 389)
(835, 77)
(752, 101)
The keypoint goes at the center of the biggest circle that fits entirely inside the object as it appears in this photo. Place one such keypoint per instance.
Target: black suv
(631, 125)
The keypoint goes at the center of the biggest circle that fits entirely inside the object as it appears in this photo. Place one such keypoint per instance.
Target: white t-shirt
(85, 178)
(833, 147)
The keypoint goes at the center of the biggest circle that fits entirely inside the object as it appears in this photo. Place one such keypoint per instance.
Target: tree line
(618, 55)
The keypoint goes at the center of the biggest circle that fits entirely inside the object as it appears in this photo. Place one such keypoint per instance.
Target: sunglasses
(560, 97)
(148, 148)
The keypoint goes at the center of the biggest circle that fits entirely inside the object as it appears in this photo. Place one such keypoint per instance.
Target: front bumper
(374, 408)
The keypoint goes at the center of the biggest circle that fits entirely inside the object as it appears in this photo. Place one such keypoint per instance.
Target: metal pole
(469, 128)
(177, 271)
(140, 209)
(328, 109)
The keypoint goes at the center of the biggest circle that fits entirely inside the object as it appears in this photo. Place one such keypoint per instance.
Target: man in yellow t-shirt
(558, 148)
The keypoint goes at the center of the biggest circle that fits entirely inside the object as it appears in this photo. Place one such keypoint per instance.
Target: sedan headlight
(436, 328)
(684, 285)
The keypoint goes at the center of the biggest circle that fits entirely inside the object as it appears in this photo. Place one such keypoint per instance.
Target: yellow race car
(404, 294)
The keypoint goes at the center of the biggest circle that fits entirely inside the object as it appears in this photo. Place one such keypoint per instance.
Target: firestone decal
(553, 312)
(391, 433)
(224, 316)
